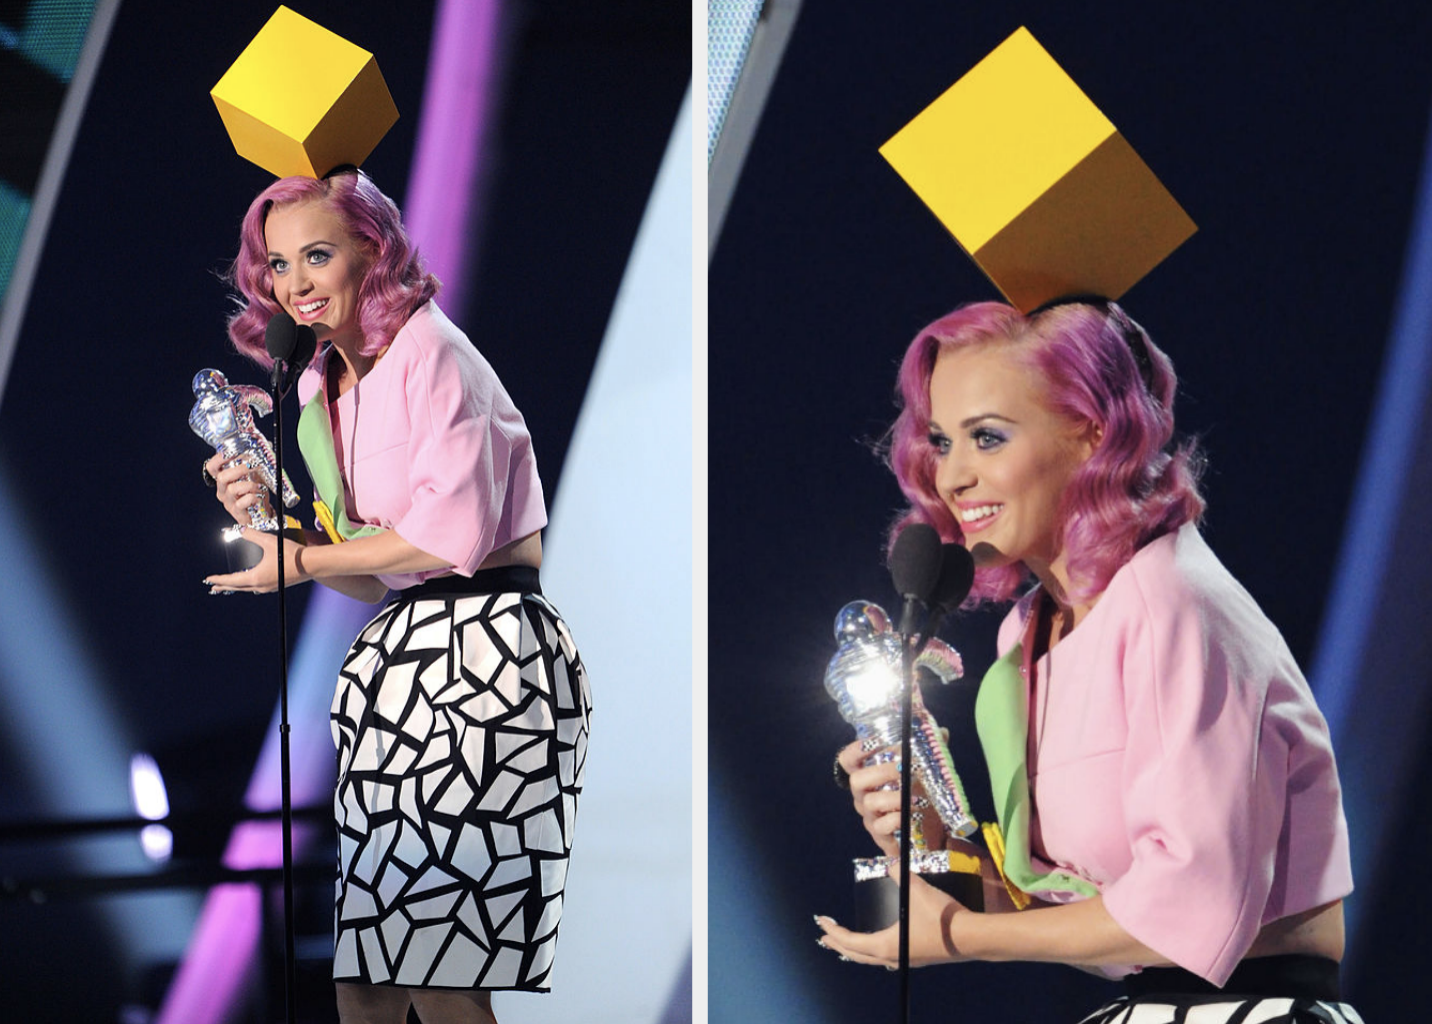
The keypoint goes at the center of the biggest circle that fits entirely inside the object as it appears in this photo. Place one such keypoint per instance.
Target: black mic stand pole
(290, 971)
(908, 653)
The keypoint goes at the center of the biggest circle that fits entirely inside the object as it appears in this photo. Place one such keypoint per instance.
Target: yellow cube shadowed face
(1035, 183)
(301, 100)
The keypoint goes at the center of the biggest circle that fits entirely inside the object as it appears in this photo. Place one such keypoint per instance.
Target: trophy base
(877, 895)
(247, 555)
(239, 556)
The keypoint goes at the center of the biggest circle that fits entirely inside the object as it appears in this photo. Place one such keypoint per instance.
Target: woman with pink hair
(1171, 809)
(461, 710)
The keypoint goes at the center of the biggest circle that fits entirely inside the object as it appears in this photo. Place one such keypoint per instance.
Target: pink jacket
(1177, 761)
(430, 445)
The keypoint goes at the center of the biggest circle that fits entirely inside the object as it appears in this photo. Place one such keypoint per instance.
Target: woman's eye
(986, 439)
(278, 266)
(940, 443)
(318, 257)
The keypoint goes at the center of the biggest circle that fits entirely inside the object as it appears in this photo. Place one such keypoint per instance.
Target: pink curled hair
(395, 285)
(1136, 486)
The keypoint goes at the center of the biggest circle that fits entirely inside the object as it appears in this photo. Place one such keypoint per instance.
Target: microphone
(915, 564)
(291, 345)
(957, 576)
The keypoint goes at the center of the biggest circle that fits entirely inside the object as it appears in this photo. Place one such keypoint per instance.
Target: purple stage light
(442, 212)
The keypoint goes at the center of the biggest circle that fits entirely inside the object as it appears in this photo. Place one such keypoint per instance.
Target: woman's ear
(1089, 438)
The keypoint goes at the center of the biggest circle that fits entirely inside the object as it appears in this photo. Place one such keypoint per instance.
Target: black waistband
(1291, 975)
(505, 579)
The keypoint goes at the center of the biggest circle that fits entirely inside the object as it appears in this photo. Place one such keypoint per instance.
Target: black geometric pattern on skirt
(1222, 1010)
(461, 724)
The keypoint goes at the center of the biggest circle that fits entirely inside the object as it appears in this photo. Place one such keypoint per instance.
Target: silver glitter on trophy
(864, 678)
(223, 415)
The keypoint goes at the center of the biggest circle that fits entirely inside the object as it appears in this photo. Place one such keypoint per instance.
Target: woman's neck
(1066, 612)
(350, 365)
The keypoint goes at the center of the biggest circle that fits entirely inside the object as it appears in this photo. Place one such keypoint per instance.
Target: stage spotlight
(157, 842)
(151, 800)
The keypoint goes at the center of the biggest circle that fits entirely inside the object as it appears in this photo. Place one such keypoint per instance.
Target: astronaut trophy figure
(865, 679)
(223, 415)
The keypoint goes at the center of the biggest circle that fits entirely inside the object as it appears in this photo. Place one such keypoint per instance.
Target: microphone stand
(290, 971)
(907, 659)
(915, 550)
(910, 648)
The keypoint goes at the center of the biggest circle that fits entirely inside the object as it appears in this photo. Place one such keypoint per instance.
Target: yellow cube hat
(301, 100)
(1036, 185)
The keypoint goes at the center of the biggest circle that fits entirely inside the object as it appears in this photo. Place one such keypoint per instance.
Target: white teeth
(969, 515)
(309, 307)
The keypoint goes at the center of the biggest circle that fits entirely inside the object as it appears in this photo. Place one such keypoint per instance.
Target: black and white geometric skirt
(1214, 1010)
(461, 723)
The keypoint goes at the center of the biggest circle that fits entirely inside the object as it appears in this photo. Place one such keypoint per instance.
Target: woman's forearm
(364, 587)
(384, 553)
(350, 568)
(1073, 933)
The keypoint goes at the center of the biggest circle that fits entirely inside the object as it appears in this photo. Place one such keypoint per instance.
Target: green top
(315, 441)
(1002, 720)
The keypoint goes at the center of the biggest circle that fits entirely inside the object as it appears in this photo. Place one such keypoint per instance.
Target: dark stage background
(128, 305)
(1295, 142)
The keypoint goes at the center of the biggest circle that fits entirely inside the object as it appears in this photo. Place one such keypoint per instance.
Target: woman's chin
(987, 556)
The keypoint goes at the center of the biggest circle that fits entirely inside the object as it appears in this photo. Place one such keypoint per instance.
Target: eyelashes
(987, 439)
(984, 439)
(315, 257)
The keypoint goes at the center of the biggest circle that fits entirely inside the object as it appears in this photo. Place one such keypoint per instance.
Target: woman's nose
(952, 475)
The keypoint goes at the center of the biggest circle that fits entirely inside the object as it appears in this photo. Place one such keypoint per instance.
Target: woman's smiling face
(317, 269)
(1004, 457)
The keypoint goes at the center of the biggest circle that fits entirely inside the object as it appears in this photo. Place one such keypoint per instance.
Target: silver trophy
(223, 415)
(865, 679)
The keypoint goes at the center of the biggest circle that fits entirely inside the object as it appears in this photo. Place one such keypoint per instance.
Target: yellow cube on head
(301, 100)
(1035, 183)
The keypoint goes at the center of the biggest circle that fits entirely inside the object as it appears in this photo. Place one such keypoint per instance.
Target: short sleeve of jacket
(1204, 784)
(467, 455)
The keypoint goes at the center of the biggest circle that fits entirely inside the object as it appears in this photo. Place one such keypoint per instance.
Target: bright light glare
(157, 841)
(874, 685)
(146, 788)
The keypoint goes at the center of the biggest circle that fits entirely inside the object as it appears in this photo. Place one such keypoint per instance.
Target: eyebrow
(304, 249)
(971, 421)
(966, 424)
